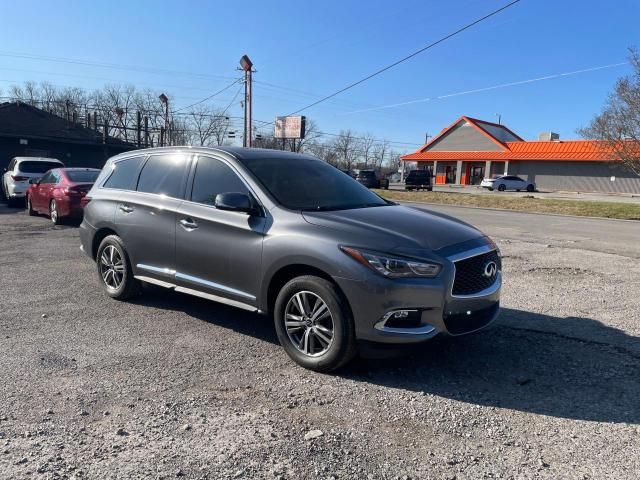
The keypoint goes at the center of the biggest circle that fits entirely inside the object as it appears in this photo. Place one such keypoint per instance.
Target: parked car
(15, 180)
(288, 235)
(418, 180)
(59, 193)
(508, 182)
(371, 179)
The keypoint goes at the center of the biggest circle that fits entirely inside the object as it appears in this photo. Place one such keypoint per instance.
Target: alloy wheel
(309, 323)
(111, 267)
(53, 211)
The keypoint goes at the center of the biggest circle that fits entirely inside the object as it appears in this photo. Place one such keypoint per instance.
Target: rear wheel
(530, 188)
(114, 269)
(30, 209)
(53, 213)
(314, 324)
(502, 187)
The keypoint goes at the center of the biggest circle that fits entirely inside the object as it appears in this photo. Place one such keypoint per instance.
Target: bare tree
(618, 125)
(346, 147)
(209, 126)
(380, 151)
(366, 145)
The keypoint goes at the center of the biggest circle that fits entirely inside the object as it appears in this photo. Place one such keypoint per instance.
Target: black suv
(370, 179)
(418, 179)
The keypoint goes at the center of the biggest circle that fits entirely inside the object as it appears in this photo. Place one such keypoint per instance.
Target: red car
(59, 192)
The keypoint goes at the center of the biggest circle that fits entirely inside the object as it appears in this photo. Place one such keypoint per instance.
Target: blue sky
(303, 50)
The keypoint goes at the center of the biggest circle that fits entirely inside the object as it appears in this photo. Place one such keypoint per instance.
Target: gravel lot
(173, 386)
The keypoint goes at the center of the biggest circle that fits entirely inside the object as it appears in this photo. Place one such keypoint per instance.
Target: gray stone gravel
(171, 386)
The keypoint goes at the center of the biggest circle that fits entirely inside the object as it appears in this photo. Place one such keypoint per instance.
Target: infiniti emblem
(490, 270)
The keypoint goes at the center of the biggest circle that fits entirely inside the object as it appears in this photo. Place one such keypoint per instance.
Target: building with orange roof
(470, 149)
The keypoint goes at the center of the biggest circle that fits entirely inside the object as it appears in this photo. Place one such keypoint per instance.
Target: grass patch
(624, 211)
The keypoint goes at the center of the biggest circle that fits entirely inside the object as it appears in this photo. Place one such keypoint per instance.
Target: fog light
(402, 318)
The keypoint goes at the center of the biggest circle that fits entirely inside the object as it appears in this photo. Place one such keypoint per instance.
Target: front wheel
(114, 269)
(314, 324)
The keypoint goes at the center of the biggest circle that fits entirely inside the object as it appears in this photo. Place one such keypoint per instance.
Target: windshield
(82, 176)
(37, 167)
(303, 183)
(417, 173)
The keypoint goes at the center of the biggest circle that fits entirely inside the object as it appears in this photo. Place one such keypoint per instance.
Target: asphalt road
(171, 386)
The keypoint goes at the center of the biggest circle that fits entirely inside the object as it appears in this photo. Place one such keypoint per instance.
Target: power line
(485, 89)
(210, 96)
(404, 59)
(117, 66)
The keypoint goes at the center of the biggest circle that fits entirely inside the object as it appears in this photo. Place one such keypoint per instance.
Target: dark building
(469, 150)
(27, 131)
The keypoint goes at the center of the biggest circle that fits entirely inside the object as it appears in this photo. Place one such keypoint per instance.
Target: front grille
(460, 323)
(470, 276)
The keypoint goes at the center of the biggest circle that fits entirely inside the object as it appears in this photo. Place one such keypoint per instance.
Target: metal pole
(250, 117)
(246, 107)
(139, 129)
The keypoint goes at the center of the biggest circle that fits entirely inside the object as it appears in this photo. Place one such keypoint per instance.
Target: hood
(396, 227)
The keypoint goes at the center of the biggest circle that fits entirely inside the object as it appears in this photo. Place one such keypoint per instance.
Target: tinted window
(213, 177)
(47, 178)
(124, 174)
(82, 176)
(36, 167)
(418, 173)
(163, 175)
(366, 175)
(305, 183)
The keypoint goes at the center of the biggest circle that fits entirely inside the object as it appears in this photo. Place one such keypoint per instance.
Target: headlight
(393, 267)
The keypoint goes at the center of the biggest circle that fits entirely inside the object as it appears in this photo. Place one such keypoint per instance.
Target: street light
(165, 101)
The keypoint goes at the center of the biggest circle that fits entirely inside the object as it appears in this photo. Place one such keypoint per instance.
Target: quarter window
(163, 175)
(213, 177)
(124, 173)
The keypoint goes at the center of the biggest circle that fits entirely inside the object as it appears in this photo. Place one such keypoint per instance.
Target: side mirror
(235, 202)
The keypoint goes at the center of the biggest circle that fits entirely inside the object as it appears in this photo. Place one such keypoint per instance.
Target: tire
(502, 188)
(317, 354)
(490, 189)
(531, 188)
(53, 213)
(119, 284)
(30, 210)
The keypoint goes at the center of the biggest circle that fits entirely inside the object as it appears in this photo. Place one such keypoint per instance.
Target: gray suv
(289, 235)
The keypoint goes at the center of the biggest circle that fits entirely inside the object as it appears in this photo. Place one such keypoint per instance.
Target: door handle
(188, 224)
(126, 208)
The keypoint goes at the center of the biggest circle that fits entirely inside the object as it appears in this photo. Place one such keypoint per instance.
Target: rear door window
(163, 175)
(124, 174)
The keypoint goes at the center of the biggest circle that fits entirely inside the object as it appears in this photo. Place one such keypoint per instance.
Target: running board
(197, 293)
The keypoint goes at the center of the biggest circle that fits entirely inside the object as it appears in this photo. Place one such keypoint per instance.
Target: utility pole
(247, 65)
(499, 115)
(427, 137)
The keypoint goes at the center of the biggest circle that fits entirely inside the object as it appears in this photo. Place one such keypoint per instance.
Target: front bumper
(437, 310)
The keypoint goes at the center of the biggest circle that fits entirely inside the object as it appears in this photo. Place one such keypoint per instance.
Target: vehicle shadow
(241, 321)
(572, 367)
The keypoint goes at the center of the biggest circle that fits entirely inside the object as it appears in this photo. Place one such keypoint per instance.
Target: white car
(15, 180)
(508, 182)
